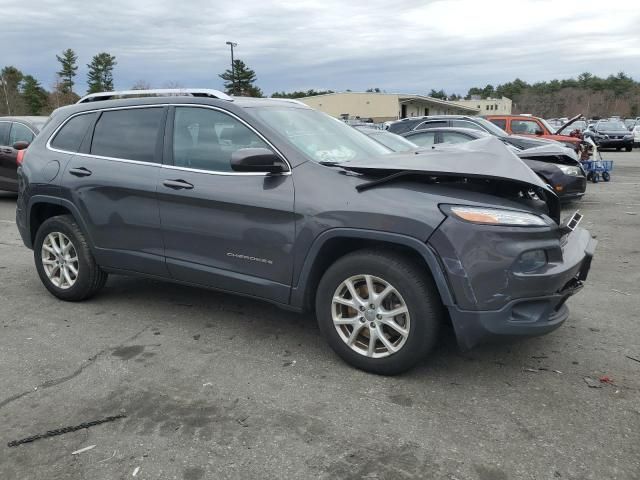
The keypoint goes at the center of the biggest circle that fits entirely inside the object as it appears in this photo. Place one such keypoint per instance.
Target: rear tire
(408, 288)
(606, 176)
(64, 260)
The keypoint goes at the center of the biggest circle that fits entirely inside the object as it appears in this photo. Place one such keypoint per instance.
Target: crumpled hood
(551, 154)
(483, 158)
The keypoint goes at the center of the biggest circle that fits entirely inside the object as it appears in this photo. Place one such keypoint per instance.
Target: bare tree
(141, 85)
(172, 84)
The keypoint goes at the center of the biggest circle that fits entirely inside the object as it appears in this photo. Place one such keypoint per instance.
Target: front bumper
(507, 304)
(614, 143)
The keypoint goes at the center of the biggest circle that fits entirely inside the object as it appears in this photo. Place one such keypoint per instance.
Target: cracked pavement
(217, 386)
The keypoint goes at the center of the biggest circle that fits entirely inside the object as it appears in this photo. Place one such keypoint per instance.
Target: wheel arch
(335, 243)
(43, 207)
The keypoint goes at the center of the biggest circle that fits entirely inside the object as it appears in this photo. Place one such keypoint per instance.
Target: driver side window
(425, 139)
(205, 139)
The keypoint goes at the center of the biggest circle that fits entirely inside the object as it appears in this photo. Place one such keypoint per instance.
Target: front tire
(64, 261)
(379, 311)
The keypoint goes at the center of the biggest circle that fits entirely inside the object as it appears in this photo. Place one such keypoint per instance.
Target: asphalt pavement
(215, 386)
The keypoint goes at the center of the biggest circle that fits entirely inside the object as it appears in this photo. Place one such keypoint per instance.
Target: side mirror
(257, 160)
(539, 132)
(21, 145)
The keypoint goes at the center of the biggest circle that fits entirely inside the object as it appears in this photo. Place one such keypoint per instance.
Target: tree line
(22, 94)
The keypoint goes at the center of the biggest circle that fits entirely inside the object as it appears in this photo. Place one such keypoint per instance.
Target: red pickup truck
(527, 125)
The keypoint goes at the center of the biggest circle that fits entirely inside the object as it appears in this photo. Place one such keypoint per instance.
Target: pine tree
(34, 95)
(68, 69)
(100, 76)
(244, 79)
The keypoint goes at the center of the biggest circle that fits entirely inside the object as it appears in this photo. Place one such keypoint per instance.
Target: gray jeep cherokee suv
(274, 200)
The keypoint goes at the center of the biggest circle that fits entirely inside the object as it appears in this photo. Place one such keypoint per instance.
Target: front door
(228, 230)
(114, 186)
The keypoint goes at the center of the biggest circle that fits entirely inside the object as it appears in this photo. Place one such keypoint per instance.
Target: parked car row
(271, 199)
(16, 133)
(556, 164)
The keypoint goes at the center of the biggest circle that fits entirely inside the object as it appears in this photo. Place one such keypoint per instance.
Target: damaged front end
(509, 262)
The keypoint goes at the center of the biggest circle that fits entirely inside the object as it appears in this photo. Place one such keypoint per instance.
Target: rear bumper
(531, 316)
(573, 188)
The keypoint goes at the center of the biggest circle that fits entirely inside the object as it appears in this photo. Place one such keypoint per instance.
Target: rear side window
(4, 132)
(401, 127)
(20, 133)
(130, 134)
(427, 125)
(499, 122)
(70, 136)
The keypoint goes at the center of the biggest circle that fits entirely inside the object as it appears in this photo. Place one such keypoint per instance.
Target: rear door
(112, 181)
(229, 230)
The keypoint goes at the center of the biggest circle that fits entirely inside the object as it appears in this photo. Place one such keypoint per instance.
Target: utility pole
(233, 75)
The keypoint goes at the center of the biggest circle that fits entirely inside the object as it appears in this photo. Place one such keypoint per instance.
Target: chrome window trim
(171, 167)
(212, 172)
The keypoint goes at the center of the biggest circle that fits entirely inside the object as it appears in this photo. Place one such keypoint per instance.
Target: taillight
(20, 156)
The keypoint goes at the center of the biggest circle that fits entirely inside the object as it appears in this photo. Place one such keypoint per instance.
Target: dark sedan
(16, 133)
(554, 164)
(610, 134)
(461, 121)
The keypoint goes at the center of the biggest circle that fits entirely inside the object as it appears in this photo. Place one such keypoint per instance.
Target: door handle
(80, 172)
(178, 184)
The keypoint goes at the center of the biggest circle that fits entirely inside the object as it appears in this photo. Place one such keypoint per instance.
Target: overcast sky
(396, 45)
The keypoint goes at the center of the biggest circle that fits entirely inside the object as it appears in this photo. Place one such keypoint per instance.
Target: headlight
(569, 170)
(495, 216)
(628, 136)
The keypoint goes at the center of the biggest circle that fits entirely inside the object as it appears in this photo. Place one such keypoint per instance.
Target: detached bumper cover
(535, 314)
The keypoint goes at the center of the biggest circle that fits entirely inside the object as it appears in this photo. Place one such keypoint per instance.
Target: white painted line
(85, 449)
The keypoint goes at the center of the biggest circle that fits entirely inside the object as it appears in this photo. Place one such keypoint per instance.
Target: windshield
(318, 136)
(392, 141)
(611, 125)
(490, 127)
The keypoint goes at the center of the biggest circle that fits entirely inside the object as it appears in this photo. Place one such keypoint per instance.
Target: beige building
(489, 106)
(382, 107)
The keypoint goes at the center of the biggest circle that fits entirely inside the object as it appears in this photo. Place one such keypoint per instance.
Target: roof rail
(157, 92)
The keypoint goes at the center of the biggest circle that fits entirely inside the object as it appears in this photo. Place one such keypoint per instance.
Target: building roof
(405, 97)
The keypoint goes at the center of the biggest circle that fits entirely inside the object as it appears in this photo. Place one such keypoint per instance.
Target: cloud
(410, 46)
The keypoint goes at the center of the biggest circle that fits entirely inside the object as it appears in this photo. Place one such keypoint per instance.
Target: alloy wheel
(60, 260)
(370, 316)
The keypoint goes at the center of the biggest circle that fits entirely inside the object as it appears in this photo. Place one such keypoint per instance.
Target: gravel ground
(216, 386)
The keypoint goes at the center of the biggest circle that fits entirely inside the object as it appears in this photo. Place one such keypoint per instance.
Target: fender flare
(75, 213)
(429, 255)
